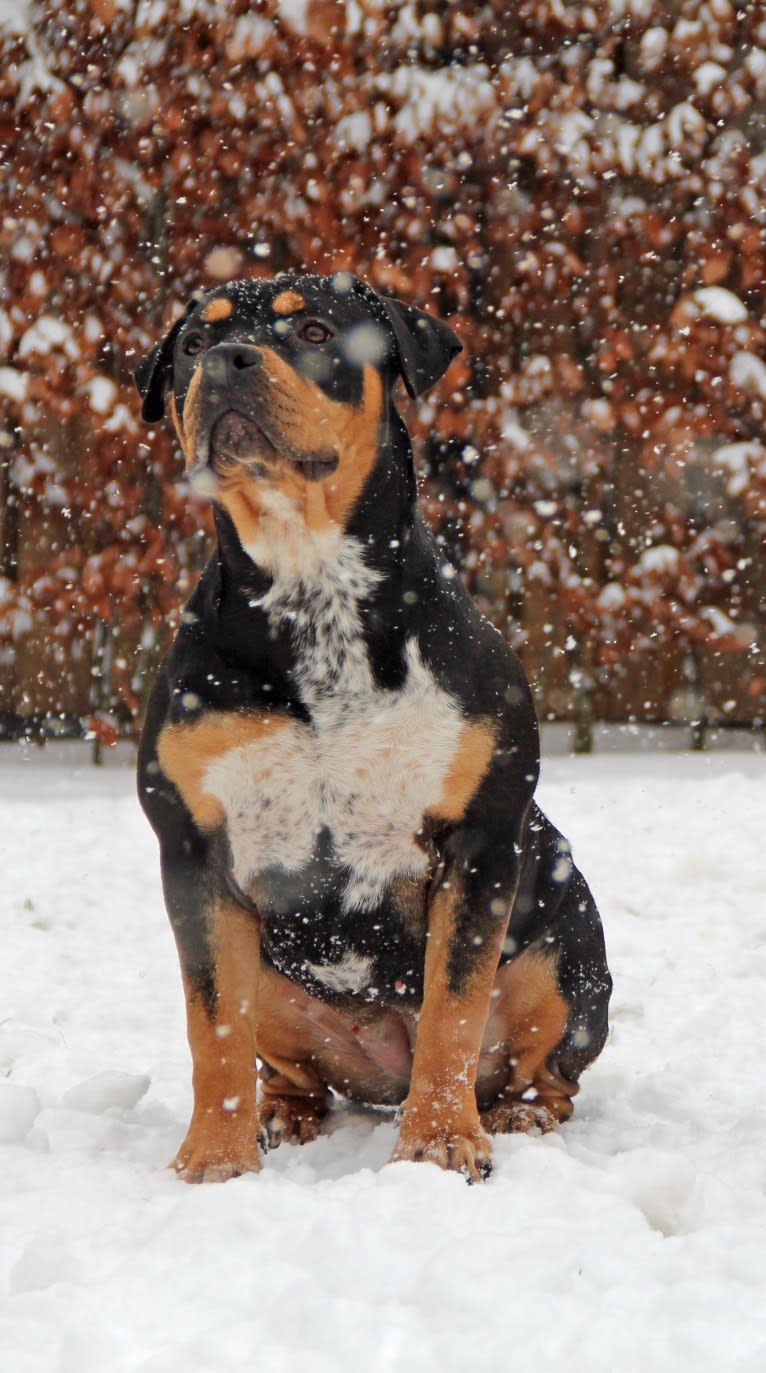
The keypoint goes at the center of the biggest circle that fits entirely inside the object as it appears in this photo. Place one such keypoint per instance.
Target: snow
(353, 131)
(365, 343)
(633, 1239)
(249, 36)
(653, 46)
(748, 372)
(102, 394)
(13, 383)
(661, 558)
(14, 15)
(736, 459)
(444, 258)
(708, 76)
(19, 1109)
(47, 333)
(448, 98)
(720, 304)
(720, 623)
(295, 12)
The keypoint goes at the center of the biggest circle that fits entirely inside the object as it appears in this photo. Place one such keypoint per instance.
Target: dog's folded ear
(425, 345)
(154, 373)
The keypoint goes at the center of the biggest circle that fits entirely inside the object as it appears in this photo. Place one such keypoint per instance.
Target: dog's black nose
(227, 360)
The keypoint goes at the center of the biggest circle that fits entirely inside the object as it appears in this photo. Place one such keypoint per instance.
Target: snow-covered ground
(634, 1241)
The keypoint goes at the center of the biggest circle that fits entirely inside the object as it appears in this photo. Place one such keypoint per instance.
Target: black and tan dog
(339, 761)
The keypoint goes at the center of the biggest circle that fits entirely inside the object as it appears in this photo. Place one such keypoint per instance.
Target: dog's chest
(330, 812)
(340, 800)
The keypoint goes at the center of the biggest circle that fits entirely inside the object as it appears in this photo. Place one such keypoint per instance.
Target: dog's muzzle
(235, 413)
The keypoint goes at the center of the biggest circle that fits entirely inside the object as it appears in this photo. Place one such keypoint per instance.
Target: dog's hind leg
(550, 1011)
(293, 1095)
(531, 1015)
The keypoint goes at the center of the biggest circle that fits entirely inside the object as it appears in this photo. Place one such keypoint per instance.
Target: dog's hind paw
(508, 1117)
(287, 1119)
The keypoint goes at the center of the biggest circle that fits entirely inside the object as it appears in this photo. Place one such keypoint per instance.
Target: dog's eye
(314, 332)
(193, 344)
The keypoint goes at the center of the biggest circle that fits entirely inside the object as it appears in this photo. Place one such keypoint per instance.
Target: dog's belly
(368, 1054)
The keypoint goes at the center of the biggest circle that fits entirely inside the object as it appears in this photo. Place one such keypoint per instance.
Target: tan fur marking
(221, 1141)
(310, 423)
(188, 426)
(288, 301)
(441, 1119)
(530, 1016)
(186, 752)
(220, 308)
(473, 756)
(358, 449)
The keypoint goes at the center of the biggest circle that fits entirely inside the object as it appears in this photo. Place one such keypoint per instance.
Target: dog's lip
(311, 466)
(233, 414)
(315, 466)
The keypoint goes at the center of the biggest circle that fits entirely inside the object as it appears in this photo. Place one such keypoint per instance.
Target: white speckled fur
(351, 974)
(367, 767)
(285, 545)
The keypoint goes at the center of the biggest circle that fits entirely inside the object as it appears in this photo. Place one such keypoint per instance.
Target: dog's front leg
(466, 925)
(220, 960)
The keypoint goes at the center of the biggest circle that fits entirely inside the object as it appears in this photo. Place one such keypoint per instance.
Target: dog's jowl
(339, 761)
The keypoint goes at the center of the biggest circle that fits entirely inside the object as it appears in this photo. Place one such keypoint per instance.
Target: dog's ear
(154, 373)
(425, 345)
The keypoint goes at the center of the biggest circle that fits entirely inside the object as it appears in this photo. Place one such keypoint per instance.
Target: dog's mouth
(314, 467)
(235, 438)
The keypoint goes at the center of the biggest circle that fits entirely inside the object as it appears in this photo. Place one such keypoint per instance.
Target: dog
(339, 760)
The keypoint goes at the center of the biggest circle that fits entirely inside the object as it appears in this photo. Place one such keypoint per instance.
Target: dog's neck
(318, 587)
(285, 547)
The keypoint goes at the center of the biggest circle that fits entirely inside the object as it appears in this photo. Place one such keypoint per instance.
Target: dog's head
(285, 386)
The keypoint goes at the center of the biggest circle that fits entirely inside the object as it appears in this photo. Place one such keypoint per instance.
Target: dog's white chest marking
(367, 767)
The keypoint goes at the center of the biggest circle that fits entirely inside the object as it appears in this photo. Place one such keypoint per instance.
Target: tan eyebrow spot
(287, 301)
(220, 308)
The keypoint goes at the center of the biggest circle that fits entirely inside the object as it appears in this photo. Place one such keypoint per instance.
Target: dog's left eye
(314, 332)
(193, 344)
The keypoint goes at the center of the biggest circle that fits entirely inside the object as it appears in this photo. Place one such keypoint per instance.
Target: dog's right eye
(313, 331)
(193, 344)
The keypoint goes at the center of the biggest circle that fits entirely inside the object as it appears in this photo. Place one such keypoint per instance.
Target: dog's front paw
(216, 1149)
(461, 1146)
